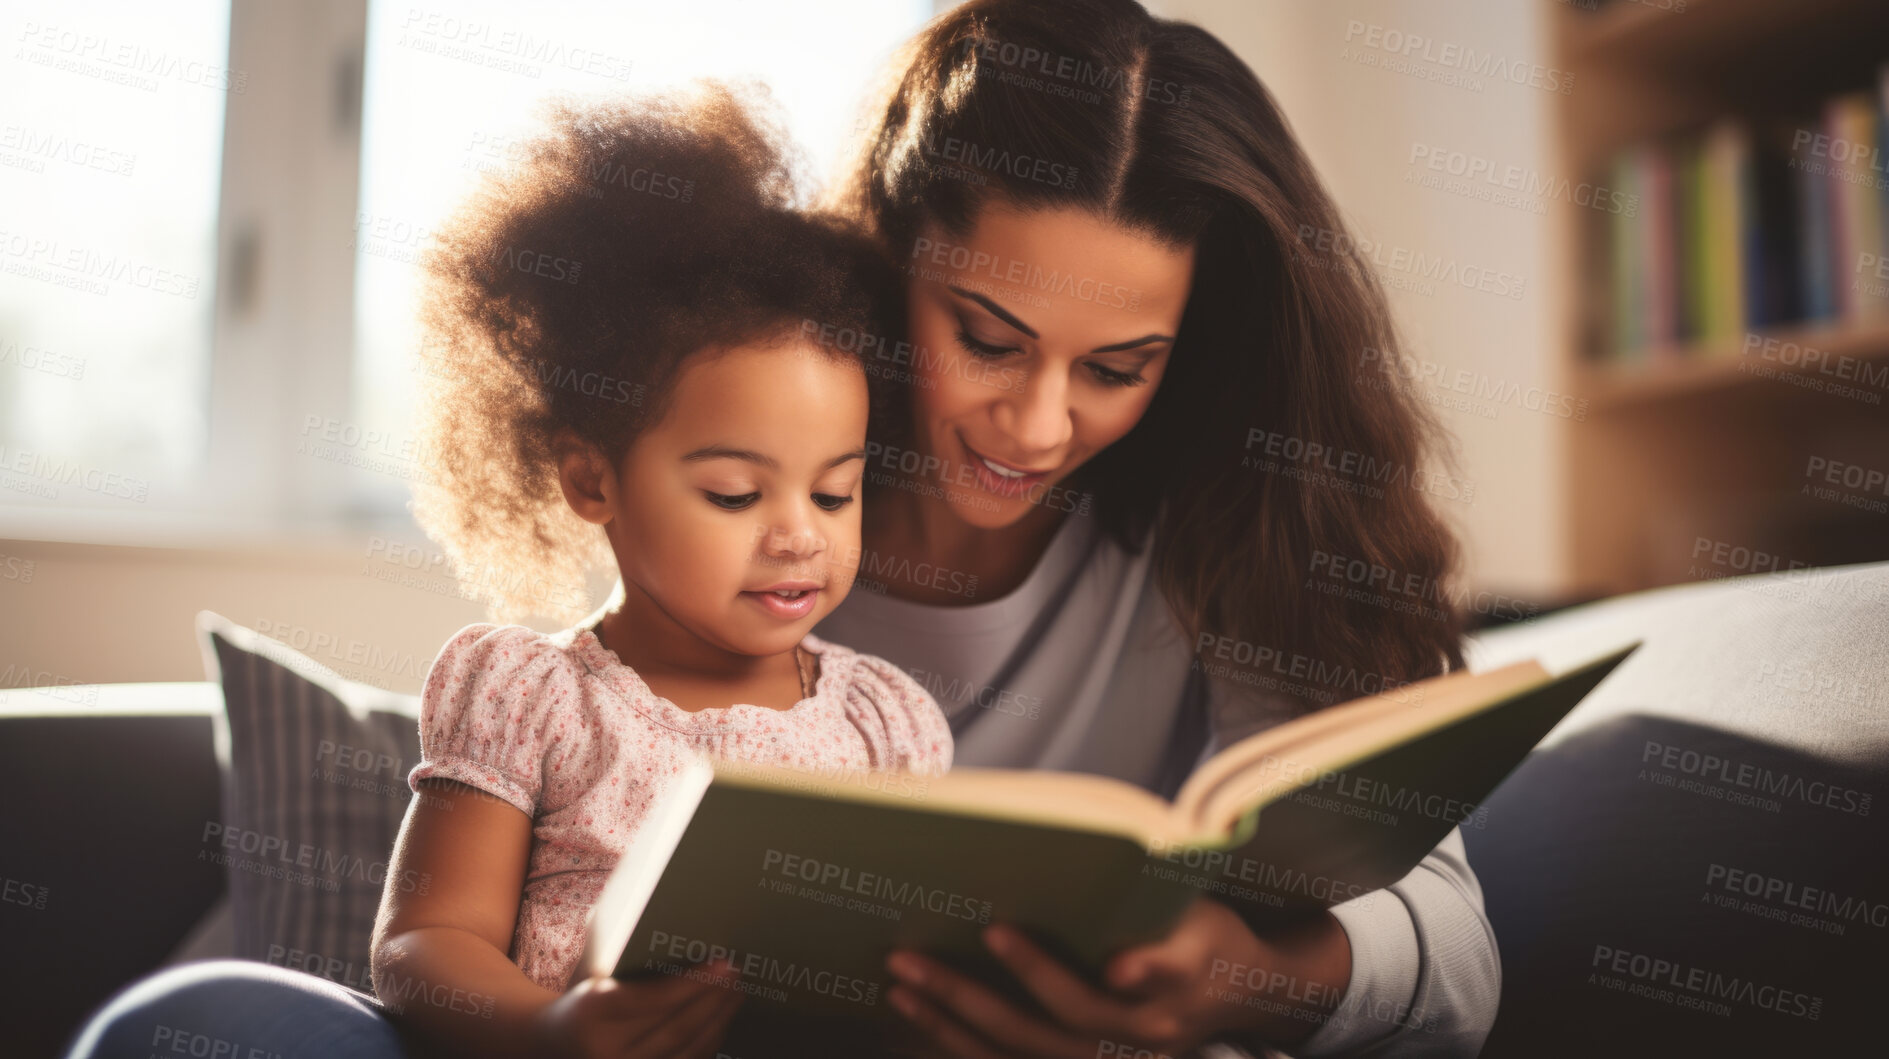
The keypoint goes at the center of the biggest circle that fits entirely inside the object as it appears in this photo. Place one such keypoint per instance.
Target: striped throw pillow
(314, 788)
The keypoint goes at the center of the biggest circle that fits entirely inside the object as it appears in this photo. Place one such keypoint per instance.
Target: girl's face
(1040, 339)
(737, 514)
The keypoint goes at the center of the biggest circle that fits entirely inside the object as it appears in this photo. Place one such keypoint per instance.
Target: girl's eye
(1110, 377)
(829, 502)
(978, 348)
(731, 503)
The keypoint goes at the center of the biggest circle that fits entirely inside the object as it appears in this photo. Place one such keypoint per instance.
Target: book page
(1258, 770)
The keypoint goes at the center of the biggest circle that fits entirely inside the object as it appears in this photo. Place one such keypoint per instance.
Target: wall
(1361, 125)
(103, 613)
(94, 613)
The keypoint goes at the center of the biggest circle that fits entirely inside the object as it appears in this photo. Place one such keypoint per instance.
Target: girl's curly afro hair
(566, 293)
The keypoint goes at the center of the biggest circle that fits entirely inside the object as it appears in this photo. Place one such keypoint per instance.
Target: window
(111, 135)
(214, 212)
(452, 90)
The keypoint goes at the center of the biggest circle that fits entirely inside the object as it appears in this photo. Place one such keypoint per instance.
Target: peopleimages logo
(980, 158)
(1472, 384)
(300, 863)
(1021, 274)
(48, 472)
(1696, 987)
(1745, 776)
(34, 148)
(757, 969)
(504, 48)
(1450, 55)
(1797, 896)
(1297, 666)
(24, 894)
(1403, 267)
(1271, 880)
(1266, 447)
(79, 50)
(86, 268)
(1531, 187)
(901, 892)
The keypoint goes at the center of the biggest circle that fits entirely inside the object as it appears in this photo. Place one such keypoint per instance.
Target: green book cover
(1727, 154)
(1628, 264)
(1695, 243)
(805, 885)
(1857, 183)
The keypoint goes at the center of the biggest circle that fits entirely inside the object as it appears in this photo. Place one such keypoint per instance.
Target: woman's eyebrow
(996, 310)
(1008, 317)
(1132, 343)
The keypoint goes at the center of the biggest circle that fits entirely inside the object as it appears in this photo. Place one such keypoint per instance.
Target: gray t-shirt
(1084, 668)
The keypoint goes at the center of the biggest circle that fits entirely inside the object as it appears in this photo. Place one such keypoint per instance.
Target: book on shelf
(1856, 221)
(1752, 224)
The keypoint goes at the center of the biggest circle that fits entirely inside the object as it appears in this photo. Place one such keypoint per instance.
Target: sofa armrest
(107, 789)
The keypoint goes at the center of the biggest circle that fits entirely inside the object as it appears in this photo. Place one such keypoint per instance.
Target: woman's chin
(984, 511)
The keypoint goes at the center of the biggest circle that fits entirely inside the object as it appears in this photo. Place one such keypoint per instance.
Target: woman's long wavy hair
(1284, 344)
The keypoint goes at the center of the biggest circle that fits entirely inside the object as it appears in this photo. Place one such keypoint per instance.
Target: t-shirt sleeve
(495, 706)
(917, 738)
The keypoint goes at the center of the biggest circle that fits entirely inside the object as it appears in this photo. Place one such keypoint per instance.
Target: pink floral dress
(560, 728)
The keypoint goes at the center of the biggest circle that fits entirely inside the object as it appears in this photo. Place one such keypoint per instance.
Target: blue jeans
(236, 1009)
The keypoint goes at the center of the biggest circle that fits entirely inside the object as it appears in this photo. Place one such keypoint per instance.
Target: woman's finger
(1073, 1001)
(708, 1038)
(1185, 953)
(635, 1000)
(668, 1033)
(952, 1039)
(984, 1011)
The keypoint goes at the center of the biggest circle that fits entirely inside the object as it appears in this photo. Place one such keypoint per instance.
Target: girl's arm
(439, 950)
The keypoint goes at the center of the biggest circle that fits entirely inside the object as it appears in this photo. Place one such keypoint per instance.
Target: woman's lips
(999, 478)
(786, 607)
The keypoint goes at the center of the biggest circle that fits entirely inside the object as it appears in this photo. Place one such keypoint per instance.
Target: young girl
(627, 336)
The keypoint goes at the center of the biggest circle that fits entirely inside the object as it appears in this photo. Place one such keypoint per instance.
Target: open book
(805, 881)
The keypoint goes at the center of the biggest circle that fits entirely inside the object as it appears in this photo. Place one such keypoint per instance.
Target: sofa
(1692, 863)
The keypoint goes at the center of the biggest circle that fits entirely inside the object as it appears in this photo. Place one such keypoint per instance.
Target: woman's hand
(670, 1018)
(1210, 978)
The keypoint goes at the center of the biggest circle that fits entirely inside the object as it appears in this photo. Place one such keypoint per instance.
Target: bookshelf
(1673, 372)
(1690, 440)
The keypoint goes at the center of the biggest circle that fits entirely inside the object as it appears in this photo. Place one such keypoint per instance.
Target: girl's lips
(784, 607)
(1004, 485)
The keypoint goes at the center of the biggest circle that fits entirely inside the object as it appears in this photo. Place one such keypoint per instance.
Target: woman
(1133, 423)
(1109, 456)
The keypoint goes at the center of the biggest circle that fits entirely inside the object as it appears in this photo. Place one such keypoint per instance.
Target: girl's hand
(1211, 977)
(670, 1018)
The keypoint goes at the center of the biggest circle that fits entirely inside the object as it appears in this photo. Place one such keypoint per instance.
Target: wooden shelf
(1621, 26)
(1685, 371)
(1705, 441)
(1708, 33)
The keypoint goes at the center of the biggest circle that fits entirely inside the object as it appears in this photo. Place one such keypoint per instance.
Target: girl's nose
(792, 539)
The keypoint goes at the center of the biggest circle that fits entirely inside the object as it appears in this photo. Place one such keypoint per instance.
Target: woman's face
(1040, 337)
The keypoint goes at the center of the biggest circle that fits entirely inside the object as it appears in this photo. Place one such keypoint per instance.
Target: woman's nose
(1037, 419)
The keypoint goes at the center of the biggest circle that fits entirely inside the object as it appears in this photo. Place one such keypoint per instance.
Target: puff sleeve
(501, 710)
(899, 717)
